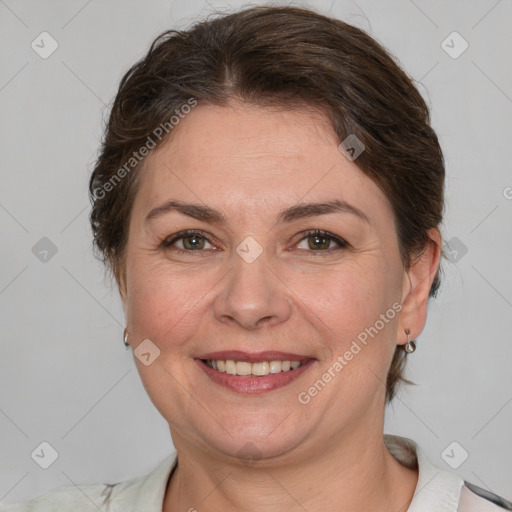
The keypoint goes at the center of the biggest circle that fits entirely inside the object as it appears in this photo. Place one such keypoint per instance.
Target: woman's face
(251, 278)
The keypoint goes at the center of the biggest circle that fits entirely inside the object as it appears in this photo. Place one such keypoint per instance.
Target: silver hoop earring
(125, 340)
(410, 346)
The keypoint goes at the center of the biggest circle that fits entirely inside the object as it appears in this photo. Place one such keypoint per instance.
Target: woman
(268, 197)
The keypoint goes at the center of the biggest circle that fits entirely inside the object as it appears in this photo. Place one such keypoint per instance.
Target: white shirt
(437, 490)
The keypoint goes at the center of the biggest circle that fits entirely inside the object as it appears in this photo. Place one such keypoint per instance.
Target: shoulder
(80, 499)
(438, 489)
(477, 499)
(144, 492)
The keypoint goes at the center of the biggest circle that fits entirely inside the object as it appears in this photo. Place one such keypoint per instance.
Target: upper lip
(253, 357)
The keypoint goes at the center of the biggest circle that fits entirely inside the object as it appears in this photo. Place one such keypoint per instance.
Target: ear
(416, 288)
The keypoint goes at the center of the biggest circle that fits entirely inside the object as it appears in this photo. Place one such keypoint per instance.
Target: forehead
(242, 155)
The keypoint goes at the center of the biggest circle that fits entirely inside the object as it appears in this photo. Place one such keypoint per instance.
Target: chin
(256, 449)
(254, 437)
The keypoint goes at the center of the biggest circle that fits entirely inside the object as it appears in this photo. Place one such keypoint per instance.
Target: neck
(356, 473)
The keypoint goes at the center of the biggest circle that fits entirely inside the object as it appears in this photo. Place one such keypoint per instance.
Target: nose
(253, 296)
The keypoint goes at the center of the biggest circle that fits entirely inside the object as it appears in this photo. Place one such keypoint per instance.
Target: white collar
(437, 490)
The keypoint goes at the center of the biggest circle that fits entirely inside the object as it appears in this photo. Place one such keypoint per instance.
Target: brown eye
(187, 241)
(193, 242)
(321, 241)
(318, 242)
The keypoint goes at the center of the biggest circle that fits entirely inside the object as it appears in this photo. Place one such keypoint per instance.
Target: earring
(410, 346)
(125, 340)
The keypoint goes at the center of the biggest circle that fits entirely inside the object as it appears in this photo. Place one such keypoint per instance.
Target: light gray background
(65, 377)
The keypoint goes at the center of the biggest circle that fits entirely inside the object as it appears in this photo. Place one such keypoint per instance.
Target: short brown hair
(286, 57)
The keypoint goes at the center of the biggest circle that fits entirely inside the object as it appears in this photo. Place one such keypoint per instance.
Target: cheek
(346, 302)
(161, 301)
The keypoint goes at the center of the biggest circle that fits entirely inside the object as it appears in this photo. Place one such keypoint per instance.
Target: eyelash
(167, 243)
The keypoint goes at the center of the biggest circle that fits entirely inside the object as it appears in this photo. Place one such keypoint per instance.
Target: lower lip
(254, 385)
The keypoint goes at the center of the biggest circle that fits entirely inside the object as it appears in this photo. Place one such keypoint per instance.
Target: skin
(250, 163)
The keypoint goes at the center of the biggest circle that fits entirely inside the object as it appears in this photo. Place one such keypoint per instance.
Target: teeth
(243, 368)
(230, 367)
(275, 366)
(259, 369)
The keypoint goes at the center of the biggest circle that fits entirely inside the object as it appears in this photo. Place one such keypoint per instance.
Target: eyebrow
(299, 211)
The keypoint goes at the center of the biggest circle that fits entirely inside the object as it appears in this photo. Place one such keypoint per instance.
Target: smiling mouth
(256, 369)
